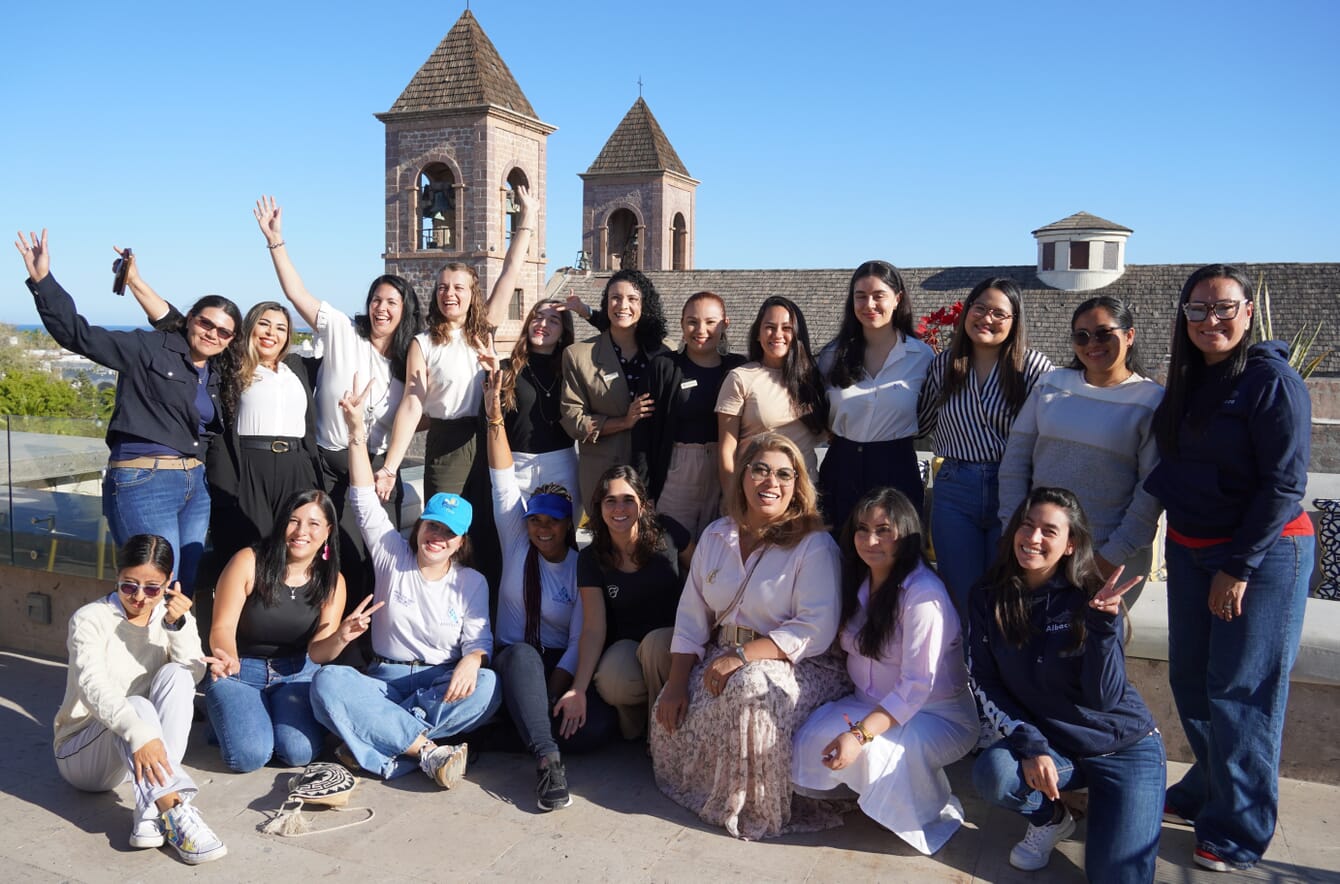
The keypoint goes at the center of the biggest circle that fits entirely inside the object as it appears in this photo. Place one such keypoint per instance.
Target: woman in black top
(629, 579)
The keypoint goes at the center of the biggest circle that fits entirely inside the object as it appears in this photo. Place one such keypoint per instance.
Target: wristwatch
(739, 652)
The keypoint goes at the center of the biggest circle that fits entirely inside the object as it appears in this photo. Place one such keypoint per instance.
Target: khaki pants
(692, 492)
(630, 676)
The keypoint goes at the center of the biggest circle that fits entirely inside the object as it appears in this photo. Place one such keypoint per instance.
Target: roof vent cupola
(1081, 252)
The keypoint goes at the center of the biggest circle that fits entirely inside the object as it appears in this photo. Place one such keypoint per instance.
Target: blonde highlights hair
(802, 513)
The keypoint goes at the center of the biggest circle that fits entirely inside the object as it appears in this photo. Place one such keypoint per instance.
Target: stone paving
(619, 826)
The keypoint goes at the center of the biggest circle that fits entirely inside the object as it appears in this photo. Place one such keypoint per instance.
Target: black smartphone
(121, 266)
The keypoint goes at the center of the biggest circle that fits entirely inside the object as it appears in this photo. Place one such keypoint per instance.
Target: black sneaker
(552, 786)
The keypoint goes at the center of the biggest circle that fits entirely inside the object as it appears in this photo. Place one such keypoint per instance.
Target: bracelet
(862, 735)
(357, 440)
(739, 652)
(275, 246)
(498, 423)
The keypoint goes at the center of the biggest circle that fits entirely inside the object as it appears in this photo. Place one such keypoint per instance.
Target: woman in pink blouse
(749, 660)
(912, 712)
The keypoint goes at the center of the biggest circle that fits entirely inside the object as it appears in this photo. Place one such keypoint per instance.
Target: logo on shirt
(563, 595)
(1057, 627)
(612, 591)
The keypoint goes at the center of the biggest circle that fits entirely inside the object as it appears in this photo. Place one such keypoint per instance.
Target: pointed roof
(638, 145)
(1081, 221)
(464, 71)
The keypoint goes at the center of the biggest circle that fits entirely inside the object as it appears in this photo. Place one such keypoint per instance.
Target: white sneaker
(194, 841)
(1035, 850)
(444, 765)
(147, 832)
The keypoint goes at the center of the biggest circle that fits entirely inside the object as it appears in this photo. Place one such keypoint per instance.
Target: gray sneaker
(445, 765)
(147, 832)
(194, 841)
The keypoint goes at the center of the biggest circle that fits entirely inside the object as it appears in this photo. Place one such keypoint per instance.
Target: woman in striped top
(972, 395)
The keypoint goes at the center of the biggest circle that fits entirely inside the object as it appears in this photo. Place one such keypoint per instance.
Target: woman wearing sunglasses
(1088, 428)
(1233, 433)
(173, 387)
(135, 658)
(749, 653)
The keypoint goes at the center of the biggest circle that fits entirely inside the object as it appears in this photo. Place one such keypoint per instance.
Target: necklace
(548, 392)
(535, 379)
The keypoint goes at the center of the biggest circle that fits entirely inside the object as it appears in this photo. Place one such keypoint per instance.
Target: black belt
(377, 658)
(275, 444)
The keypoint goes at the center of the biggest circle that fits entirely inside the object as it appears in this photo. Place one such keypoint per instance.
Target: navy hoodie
(1043, 695)
(1240, 470)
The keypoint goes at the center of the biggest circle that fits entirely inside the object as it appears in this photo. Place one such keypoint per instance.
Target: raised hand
(222, 664)
(177, 604)
(36, 256)
(358, 621)
(575, 304)
(525, 203)
(1108, 599)
(132, 267)
(270, 217)
(493, 395)
(351, 406)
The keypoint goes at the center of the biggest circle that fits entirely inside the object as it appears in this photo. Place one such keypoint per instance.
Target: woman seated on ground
(1046, 657)
(539, 619)
(749, 664)
(277, 617)
(630, 580)
(426, 681)
(912, 709)
(134, 660)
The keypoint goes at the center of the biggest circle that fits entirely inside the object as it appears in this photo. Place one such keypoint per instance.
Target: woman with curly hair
(749, 654)
(605, 380)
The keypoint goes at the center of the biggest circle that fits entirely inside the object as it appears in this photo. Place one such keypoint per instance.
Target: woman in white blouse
(912, 713)
(749, 659)
(874, 370)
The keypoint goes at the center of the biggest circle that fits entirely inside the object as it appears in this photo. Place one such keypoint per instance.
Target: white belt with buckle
(736, 636)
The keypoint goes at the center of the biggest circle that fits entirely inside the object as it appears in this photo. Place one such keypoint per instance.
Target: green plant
(1263, 329)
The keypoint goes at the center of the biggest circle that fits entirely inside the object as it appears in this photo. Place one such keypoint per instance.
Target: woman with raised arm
(539, 615)
(135, 658)
(912, 710)
(1045, 650)
(779, 390)
(605, 380)
(374, 345)
(1234, 434)
(683, 476)
(426, 681)
(277, 617)
(749, 654)
(171, 393)
(874, 370)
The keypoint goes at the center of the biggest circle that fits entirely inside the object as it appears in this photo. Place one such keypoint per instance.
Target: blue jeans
(1231, 683)
(265, 711)
(174, 504)
(964, 526)
(1125, 803)
(379, 715)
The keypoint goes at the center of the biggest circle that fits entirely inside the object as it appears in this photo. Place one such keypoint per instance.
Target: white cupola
(1081, 252)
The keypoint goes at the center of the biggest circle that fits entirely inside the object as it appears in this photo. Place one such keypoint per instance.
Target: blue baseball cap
(555, 506)
(451, 510)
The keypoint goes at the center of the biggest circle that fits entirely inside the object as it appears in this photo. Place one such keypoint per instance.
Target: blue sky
(924, 134)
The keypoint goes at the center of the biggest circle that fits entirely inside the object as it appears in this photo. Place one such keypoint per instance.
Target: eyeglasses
(130, 587)
(761, 471)
(1101, 335)
(1198, 311)
(991, 313)
(223, 333)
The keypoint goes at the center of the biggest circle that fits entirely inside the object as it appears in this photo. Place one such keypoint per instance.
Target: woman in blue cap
(426, 681)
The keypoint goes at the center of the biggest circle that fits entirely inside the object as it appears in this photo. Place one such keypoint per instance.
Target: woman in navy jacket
(1233, 433)
(170, 397)
(1045, 654)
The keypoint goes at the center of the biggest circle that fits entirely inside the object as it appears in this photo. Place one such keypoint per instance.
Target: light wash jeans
(379, 715)
(174, 504)
(265, 711)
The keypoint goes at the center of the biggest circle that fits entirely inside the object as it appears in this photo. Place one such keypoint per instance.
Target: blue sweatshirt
(1240, 470)
(1043, 695)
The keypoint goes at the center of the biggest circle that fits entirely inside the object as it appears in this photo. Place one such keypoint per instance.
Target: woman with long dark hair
(912, 713)
(1233, 433)
(1045, 650)
(873, 371)
(1089, 428)
(277, 617)
(605, 380)
(779, 390)
(974, 390)
(171, 394)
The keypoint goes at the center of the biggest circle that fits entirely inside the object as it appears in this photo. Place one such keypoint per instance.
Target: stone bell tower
(458, 140)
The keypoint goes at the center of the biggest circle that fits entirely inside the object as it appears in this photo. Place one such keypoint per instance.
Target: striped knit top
(974, 424)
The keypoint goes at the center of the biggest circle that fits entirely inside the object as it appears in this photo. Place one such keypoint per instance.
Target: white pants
(534, 470)
(97, 760)
(692, 492)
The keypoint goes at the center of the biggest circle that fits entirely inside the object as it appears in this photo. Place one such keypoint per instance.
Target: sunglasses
(1101, 335)
(223, 333)
(762, 471)
(130, 587)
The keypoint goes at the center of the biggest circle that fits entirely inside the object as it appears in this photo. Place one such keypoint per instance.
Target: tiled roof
(638, 145)
(1301, 294)
(465, 70)
(1081, 221)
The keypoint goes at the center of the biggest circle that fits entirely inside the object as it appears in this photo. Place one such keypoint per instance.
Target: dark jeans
(524, 674)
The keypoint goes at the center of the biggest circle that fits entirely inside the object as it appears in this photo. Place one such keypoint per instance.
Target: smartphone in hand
(120, 267)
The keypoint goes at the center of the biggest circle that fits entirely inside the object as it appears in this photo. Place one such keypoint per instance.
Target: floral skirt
(730, 762)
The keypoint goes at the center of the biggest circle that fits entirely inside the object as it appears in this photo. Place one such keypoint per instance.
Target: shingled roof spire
(638, 145)
(465, 71)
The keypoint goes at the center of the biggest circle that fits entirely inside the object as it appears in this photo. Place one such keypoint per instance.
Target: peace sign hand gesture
(358, 621)
(351, 405)
(1108, 599)
(222, 664)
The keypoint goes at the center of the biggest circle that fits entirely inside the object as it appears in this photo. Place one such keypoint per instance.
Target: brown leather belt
(735, 636)
(156, 463)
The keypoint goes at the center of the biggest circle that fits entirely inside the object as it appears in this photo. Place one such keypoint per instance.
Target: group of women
(774, 670)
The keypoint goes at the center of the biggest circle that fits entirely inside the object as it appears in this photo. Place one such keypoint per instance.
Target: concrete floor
(488, 829)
